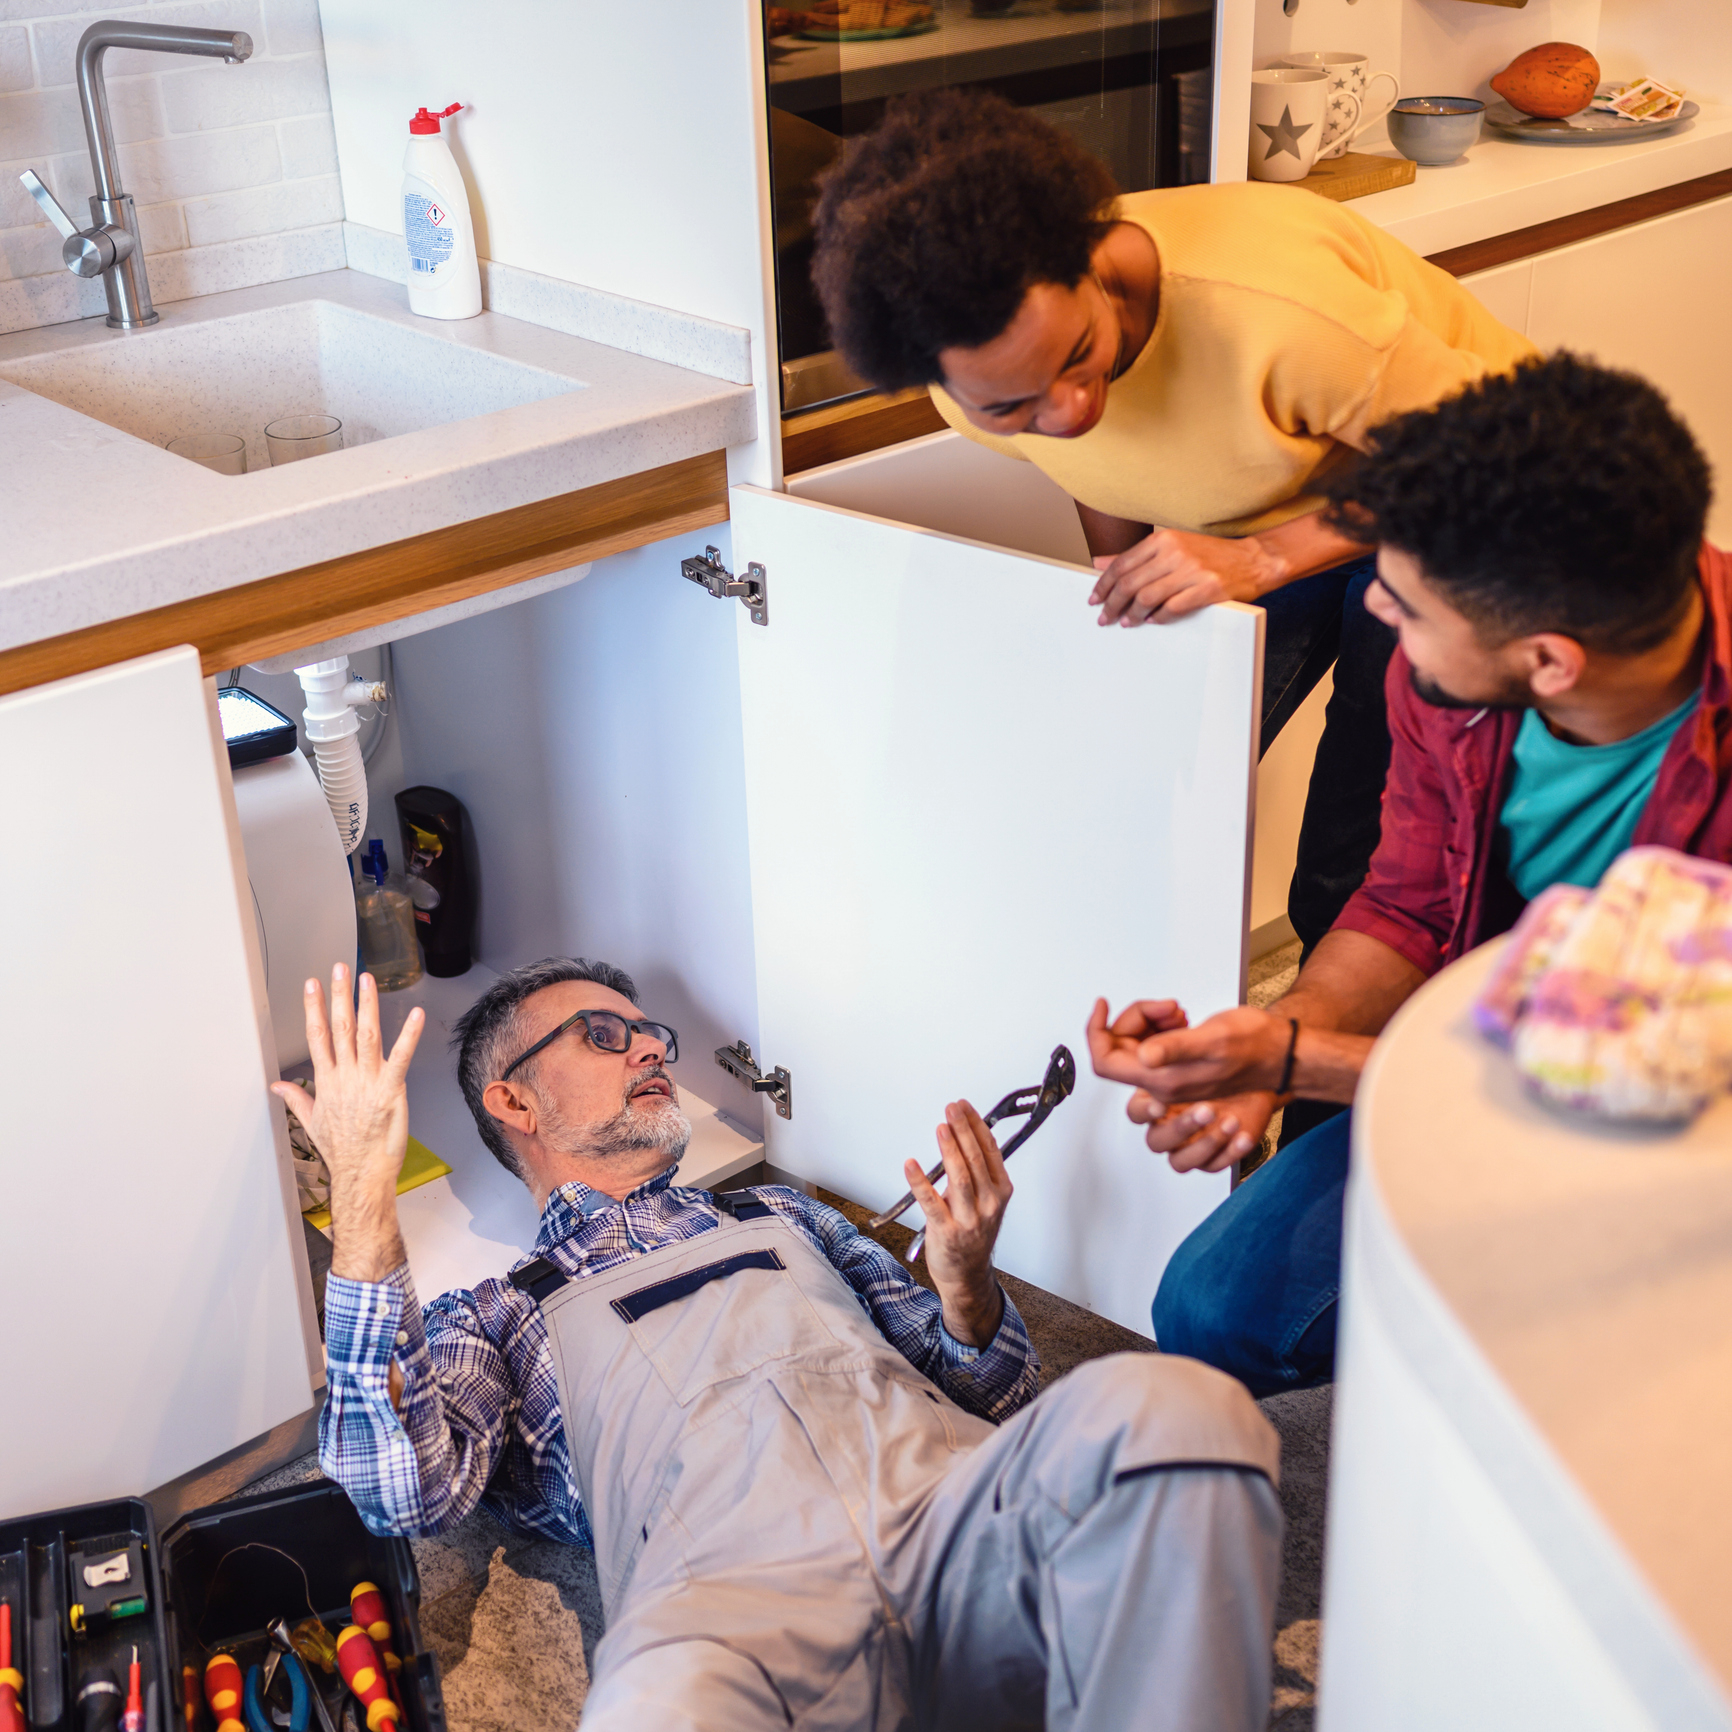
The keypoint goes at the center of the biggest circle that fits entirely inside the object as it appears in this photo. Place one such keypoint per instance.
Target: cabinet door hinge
(737, 1061)
(753, 589)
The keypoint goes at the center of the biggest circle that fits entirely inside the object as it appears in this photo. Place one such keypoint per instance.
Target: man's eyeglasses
(605, 1029)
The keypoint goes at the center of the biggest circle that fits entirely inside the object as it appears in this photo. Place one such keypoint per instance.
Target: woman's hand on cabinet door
(358, 1120)
(1172, 573)
(1205, 1136)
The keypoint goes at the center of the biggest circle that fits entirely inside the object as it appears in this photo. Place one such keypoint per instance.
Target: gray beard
(630, 1131)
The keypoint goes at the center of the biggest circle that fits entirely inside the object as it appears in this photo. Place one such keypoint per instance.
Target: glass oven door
(1130, 79)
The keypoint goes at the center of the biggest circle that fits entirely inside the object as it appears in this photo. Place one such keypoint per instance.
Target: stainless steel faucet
(110, 248)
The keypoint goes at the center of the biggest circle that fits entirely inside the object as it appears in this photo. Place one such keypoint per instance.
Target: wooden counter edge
(1506, 249)
(854, 428)
(231, 626)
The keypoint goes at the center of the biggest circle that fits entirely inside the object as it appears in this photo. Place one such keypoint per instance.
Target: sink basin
(380, 378)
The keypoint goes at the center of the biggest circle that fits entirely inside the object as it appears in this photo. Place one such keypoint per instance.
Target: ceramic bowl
(1435, 130)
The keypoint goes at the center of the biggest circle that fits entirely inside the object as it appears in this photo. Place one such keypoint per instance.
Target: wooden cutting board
(1352, 175)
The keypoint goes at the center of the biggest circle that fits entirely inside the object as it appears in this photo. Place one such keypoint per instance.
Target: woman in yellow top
(1187, 364)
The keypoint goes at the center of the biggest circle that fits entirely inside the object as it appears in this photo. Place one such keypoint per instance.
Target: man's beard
(1514, 698)
(650, 1122)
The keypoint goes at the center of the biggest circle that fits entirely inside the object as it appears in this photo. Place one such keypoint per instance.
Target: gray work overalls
(794, 1527)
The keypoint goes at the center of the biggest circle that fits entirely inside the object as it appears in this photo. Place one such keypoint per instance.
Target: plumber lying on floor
(816, 1491)
(1562, 691)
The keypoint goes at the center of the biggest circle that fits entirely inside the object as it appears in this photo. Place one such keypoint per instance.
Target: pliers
(1038, 1103)
(262, 1719)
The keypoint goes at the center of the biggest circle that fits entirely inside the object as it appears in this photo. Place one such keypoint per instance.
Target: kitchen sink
(379, 377)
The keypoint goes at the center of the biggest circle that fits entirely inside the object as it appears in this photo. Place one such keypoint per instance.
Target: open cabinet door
(971, 811)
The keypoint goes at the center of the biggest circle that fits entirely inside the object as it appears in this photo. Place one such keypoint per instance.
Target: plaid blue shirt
(480, 1420)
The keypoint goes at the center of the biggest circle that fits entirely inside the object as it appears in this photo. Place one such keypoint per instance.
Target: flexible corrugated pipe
(334, 731)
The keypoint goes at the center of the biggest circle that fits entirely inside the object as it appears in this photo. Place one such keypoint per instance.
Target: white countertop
(1501, 185)
(1564, 1287)
(100, 524)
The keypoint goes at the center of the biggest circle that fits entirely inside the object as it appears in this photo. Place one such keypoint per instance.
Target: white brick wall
(234, 168)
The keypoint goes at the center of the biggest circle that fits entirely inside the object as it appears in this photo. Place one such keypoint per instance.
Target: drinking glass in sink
(226, 453)
(297, 436)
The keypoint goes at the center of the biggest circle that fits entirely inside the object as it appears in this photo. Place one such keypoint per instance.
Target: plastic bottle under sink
(444, 273)
(385, 922)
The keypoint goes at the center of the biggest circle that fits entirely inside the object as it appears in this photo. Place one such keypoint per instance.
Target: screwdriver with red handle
(132, 1717)
(11, 1680)
(367, 1607)
(222, 1690)
(358, 1661)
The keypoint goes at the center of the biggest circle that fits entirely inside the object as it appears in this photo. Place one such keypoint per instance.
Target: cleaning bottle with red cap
(444, 275)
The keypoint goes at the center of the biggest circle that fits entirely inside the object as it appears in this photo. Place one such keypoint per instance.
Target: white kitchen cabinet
(160, 1311)
(931, 812)
(1652, 298)
(1649, 298)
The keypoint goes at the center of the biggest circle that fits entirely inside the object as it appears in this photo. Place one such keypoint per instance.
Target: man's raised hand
(359, 1121)
(962, 1224)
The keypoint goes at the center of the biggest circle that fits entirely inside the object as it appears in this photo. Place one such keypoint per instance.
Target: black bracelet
(1286, 1081)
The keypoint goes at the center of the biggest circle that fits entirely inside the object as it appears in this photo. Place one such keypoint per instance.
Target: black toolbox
(41, 1561)
(215, 1580)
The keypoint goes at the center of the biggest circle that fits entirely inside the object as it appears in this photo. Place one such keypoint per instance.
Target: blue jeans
(1311, 623)
(1253, 1290)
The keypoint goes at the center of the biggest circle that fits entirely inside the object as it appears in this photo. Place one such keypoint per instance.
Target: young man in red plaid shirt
(1563, 691)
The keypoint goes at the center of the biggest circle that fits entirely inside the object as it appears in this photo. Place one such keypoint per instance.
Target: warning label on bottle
(427, 229)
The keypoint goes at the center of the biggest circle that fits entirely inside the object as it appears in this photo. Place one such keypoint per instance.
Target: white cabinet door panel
(970, 811)
(950, 484)
(155, 1290)
(1653, 298)
(1504, 292)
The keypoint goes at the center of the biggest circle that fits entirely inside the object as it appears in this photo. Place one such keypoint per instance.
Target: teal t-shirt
(1572, 810)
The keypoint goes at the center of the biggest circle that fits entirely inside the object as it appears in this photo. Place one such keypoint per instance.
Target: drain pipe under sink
(333, 728)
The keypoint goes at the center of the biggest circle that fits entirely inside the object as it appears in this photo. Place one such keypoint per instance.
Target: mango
(1551, 81)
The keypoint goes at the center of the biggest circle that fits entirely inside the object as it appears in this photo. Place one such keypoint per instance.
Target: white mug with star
(1350, 75)
(1289, 106)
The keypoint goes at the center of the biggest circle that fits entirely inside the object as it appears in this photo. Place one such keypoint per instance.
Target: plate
(1591, 126)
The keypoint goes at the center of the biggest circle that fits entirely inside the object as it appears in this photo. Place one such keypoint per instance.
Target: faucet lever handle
(84, 252)
(49, 203)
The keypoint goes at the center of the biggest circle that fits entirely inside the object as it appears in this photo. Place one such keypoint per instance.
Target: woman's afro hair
(935, 225)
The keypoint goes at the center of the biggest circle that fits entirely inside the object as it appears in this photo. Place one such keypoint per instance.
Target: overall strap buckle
(742, 1205)
(538, 1278)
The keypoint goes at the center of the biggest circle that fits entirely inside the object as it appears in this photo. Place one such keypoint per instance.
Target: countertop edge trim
(1640, 1635)
(317, 602)
(1526, 243)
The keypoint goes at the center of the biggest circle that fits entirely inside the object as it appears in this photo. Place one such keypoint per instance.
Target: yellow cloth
(420, 1167)
(1288, 326)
